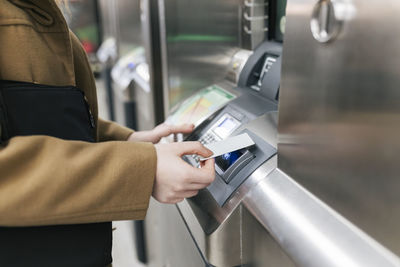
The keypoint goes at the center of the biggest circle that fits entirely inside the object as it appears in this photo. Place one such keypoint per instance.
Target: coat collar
(53, 38)
(44, 13)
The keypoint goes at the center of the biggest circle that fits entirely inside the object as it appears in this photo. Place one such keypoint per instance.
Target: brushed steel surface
(108, 11)
(152, 43)
(198, 41)
(339, 114)
(121, 20)
(145, 109)
(258, 246)
(128, 25)
(168, 242)
(310, 232)
(254, 24)
(136, 26)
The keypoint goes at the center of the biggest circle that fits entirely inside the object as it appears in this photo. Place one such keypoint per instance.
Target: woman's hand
(176, 179)
(154, 136)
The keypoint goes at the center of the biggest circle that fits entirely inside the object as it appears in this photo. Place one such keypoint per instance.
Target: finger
(204, 175)
(186, 148)
(184, 128)
(208, 167)
(208, 171)
(210, 163)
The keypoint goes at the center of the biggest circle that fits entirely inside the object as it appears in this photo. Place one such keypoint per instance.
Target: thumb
(208, 164)
(186, 148)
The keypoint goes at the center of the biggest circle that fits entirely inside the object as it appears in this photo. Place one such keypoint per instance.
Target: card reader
(228, 145)
(234, 167)
(229, 164)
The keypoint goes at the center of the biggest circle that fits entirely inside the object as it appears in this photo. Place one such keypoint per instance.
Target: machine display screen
(225, 126)
(226, 160)
(201, 105)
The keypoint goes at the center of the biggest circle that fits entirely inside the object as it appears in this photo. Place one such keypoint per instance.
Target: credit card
(228, 145)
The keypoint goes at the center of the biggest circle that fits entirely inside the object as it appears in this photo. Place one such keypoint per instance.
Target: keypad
(206, 139)
(209, 138)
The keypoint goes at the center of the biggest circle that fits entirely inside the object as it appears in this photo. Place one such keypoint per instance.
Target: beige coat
(46, 180)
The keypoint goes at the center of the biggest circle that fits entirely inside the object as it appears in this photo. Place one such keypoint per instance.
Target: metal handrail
(308, 230)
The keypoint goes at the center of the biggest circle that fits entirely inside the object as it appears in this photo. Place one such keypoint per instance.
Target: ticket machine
(222, 76)
(255, 95)
(214, 217)
(331, 200)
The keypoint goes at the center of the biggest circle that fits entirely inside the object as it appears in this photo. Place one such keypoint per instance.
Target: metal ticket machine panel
(215, 219)
(257, 94)
(205, 44)
(325, 189)
(338, 118)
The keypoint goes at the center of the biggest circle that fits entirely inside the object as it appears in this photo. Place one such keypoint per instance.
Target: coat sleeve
(48, 181)
(111, 131)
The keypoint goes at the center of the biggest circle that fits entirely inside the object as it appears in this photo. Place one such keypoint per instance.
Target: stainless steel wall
(339, 113)
(198, 40)
(121, 20)
(108, 12)
(129, 25)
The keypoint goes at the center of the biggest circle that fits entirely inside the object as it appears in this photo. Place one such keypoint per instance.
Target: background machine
(135, 74)
(132, 75)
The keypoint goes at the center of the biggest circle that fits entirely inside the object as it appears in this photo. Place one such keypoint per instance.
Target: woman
(65, 174)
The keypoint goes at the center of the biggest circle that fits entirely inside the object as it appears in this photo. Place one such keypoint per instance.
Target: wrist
(141, 136)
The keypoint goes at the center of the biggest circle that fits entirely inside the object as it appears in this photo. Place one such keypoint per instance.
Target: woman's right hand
(176, 179)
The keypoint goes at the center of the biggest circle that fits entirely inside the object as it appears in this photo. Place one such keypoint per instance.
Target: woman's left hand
(154, 136)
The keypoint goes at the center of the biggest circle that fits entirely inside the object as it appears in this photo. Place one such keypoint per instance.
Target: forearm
(111, 131)
(46, 180)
